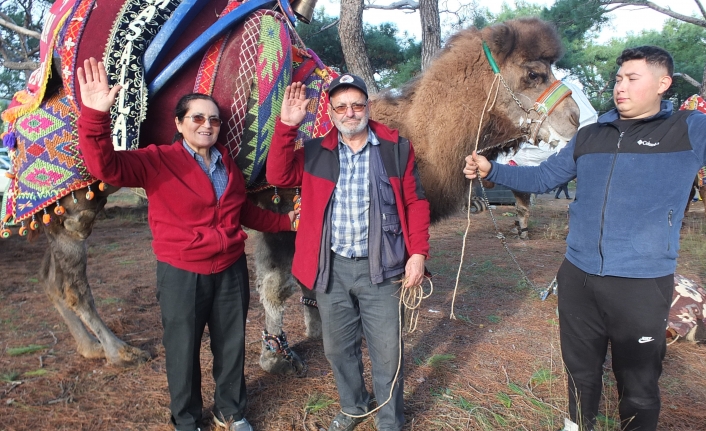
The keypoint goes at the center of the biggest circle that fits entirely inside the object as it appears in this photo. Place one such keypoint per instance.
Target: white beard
(348, 131)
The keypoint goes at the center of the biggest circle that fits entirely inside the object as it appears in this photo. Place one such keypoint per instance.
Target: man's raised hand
(294, 104)
(93, 83)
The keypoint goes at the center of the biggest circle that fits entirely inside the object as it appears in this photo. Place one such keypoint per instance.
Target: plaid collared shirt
(216, 171)
(351, 200)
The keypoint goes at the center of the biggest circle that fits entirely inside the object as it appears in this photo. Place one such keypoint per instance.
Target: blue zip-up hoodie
(633, 182)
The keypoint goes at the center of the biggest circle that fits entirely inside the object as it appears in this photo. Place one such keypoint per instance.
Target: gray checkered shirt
(351, 200)
(216, 171)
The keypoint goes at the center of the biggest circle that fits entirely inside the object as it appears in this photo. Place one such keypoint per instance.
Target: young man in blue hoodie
(617, 279)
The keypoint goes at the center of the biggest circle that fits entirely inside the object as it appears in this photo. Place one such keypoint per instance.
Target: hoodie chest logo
(647, 143)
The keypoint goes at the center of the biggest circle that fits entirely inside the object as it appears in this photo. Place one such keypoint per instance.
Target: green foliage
(10, 376)
(578, 21)
(35, 373)
(522, 9)
(317, 402)
(17, 351)
(542, 375)
(395, 58)
(494, 319)
(325, 42)
(436, 361)
(504, 399)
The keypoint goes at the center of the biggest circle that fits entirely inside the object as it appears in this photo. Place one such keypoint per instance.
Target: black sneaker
(343, 422)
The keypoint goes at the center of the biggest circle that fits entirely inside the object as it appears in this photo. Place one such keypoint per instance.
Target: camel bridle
(542, 107)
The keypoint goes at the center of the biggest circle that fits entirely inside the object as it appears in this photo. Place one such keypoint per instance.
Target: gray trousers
(353, 307)
(188, 301)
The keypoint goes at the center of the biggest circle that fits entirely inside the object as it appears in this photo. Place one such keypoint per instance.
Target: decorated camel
(244, 57)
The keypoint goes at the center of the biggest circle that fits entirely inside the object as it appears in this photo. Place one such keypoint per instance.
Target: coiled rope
(411, 298)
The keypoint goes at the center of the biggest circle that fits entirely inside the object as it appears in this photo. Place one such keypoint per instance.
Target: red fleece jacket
(192, 230)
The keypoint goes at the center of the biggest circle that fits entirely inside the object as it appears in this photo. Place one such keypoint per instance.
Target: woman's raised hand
(93, 83)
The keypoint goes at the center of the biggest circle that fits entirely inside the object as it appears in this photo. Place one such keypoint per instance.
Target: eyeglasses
(200, 119)
(342, 109)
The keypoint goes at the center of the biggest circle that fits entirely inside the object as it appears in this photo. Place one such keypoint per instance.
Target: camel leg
(87, 345)
(63, 274)
(702, 193)
(275, 284)
(522, 206)
(312, 318)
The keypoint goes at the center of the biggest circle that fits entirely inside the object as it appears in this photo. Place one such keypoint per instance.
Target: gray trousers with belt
(351, 308)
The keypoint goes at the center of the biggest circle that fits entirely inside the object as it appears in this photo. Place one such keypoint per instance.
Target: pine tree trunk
(702, 90)
(350, 31)
(431, 30)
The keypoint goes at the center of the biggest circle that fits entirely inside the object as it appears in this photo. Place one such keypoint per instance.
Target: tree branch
(410, 5)
(688, 79)
(20, 65)
(17, 29)
(701, 8)
(658, 8)
(326, 27)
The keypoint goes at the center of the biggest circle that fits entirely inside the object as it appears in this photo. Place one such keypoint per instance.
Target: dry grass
(497, 367)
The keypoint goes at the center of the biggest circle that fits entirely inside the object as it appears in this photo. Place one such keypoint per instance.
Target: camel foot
(91, 350)
(128, 356)
(277, 358)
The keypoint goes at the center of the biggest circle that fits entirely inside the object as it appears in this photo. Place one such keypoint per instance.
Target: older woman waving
(197, 210)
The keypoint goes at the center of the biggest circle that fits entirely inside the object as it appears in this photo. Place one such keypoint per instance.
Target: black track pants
(632, 314)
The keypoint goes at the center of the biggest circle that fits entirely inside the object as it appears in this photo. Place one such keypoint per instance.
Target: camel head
(524, 51)
(458, 104)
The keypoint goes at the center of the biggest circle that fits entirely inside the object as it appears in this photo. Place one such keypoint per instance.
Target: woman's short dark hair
(652, 55)
(182, 108)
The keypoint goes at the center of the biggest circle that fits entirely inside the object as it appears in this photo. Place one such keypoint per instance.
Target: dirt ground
(496, 366)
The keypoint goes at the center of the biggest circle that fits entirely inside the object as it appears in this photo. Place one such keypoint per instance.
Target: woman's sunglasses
(200, 119)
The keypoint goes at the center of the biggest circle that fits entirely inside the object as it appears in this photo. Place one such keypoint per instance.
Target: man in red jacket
(364, 225)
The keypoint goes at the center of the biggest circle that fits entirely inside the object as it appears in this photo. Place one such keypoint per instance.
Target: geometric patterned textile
(206, 77)
(273, 72)
(688, 303)
(47, 160)
(136, 25)
(694, 102)
(316, 78)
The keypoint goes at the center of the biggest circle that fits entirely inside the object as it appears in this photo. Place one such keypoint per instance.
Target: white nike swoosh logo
(645, 340)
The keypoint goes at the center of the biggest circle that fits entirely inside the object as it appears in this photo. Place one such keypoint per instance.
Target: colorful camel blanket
(688, 306)
(43, 139)
(46, 158)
